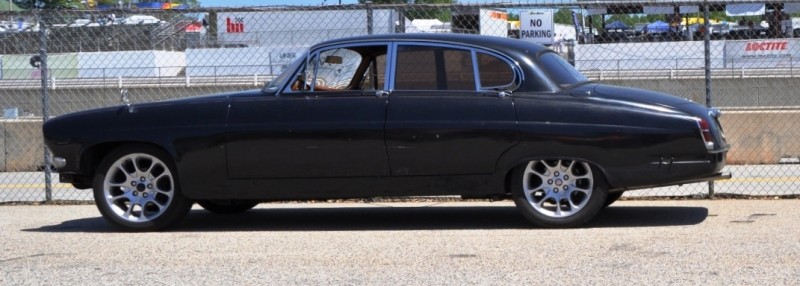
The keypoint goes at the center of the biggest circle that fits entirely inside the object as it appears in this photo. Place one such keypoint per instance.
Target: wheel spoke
(572, 204)
(149, 171)
(122, 196)
(154, 180)
(128, 211)
(122, 169)
(559, 211)
(135, 161)
(142, 212)
(544, 200)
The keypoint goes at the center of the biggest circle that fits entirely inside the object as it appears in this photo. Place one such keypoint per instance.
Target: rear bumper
(671, 172)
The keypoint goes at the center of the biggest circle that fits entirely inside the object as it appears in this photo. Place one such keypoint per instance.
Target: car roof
(518, 50)
(497, 43)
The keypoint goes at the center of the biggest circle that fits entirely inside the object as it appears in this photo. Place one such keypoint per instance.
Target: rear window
(433, 68)
(494, 72)
(559, 70)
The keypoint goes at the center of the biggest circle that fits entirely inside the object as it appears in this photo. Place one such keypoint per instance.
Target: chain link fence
(743, 57)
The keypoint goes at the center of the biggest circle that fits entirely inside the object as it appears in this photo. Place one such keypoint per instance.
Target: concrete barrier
(762, 137)
(22, 145)
(2, 146)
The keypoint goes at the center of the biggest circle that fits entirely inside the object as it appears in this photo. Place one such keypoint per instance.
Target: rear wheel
(558, 193)
(227, 206)
(136, 188)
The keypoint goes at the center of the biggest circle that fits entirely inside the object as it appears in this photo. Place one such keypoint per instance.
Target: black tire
(142, 192)
(612, 197)
(542, 215)
(227, 206)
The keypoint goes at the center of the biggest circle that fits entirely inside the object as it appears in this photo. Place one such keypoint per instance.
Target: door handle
(381, 93)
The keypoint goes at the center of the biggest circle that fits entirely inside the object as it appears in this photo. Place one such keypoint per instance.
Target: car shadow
(395, 218)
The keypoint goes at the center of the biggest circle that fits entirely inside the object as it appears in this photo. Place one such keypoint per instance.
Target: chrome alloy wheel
(138, 187)
(557, 188)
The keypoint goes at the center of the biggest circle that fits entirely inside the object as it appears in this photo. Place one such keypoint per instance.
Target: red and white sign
(766, 46)
(235, 25)
(767, 53)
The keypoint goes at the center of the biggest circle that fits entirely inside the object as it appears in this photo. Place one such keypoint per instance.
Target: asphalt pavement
(709, 242)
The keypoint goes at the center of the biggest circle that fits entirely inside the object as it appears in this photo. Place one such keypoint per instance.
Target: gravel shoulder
(641, 242)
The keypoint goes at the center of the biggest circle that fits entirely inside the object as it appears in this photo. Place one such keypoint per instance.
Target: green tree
(563, 16)
(51, 4)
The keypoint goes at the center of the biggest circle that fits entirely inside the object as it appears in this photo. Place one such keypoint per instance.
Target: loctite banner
(762, 53)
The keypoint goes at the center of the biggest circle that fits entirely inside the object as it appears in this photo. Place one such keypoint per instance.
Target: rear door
(447, 114)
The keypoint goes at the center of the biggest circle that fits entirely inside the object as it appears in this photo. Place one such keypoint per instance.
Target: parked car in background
(393, 115)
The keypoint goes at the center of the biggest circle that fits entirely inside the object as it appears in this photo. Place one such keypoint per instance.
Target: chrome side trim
(714, 177)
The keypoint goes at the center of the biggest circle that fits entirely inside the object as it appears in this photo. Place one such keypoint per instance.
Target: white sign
(762, 53)
(537, 26)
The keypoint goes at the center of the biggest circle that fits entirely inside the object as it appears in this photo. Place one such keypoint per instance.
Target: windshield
(560, 70)
(288, 71)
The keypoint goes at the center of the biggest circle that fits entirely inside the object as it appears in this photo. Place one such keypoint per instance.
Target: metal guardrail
(128, 82)
(677, 74)
(259, 80)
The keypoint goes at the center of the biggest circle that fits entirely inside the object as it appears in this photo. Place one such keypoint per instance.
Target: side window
(344, 68)
(374, 76)
(494, 72)
(434, 68)
(335, 69)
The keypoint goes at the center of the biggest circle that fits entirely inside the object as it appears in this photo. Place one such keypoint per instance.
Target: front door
(328, 123)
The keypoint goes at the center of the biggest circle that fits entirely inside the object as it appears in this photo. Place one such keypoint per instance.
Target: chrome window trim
(515, 84)
(391, 64)
(314, 51)
(515, 71)
(431, 44)
(475, 72)
(287, 86)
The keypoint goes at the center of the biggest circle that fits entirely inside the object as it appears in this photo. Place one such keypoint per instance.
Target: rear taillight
(705, 132)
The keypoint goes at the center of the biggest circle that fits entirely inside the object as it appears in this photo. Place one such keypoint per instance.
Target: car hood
(181, 113)
(629, 94)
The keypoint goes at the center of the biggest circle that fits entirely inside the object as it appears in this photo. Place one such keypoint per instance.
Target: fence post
(48, 182)
(369, 18)
(707, 48)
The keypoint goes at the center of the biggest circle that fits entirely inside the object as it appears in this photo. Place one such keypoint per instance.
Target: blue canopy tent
(617, 25)
(657, 27)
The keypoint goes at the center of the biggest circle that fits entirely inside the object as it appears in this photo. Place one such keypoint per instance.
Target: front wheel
(558, 193)
(136, 188)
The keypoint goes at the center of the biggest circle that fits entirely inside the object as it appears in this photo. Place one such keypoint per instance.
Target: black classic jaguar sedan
(392, 115)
